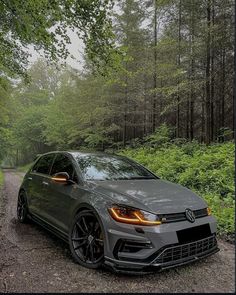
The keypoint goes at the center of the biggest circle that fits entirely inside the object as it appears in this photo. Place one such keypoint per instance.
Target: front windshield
(108, 167)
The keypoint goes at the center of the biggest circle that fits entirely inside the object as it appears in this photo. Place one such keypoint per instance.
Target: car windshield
(106, 167)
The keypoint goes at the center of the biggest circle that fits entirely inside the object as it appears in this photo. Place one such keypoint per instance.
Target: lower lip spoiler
(188, 260)
(129, 267)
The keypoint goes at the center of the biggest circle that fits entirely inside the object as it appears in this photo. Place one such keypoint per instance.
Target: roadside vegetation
(24, 168)
(207, 170)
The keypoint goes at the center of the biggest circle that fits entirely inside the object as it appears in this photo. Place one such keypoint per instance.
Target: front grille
(178, 252)
(181, 216)
(200, 213)
(173, 217)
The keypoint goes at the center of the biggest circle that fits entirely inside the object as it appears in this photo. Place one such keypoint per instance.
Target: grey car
(114, 212)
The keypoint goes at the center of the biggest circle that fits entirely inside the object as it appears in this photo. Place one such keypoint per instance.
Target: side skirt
(49, 227)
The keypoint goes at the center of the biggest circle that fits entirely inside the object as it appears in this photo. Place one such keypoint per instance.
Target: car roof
(89, 153)
(81, 153)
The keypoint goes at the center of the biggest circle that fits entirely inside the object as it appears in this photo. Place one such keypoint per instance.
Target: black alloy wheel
(22, 208)
(86, 240)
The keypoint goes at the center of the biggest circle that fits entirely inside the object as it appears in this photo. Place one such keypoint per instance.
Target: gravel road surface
(33, 260)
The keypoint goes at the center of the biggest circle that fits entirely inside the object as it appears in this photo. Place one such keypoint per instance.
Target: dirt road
(32, 260)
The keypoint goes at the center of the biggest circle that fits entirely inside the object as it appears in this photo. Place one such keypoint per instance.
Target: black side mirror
(62, 177)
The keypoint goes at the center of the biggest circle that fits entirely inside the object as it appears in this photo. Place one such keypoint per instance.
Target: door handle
(45, 183)
(29, 178)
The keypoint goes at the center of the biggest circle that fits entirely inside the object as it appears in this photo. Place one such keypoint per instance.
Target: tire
(86, 240)
(22, 208)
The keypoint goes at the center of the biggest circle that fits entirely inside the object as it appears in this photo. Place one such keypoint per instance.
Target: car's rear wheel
(22, 208)
(86, 240)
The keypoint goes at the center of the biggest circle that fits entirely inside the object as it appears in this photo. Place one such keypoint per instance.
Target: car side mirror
(62, 177)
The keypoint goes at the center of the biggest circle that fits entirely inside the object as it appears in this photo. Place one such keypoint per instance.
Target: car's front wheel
(86, 240)
(22, 208)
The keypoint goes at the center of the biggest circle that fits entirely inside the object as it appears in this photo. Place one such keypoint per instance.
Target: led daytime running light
(114, 211)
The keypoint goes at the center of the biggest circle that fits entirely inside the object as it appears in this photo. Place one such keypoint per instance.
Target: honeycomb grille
(179, 252)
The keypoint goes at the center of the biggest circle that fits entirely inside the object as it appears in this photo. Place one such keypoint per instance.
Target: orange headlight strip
(59, 179)
(138, 220)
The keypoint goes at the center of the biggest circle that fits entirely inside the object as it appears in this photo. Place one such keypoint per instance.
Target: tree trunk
(125, 111)
(222, 123)
(187, 119)
(178, 63)
(145, 111)
(203, 122)
(124, 129)
(155, 70)
(212, 74)
(191, 98)
(208, 89)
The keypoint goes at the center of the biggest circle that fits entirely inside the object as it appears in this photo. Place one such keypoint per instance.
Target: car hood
(154, 195)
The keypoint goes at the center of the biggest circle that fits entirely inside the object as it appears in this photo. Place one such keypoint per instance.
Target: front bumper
(157, 248)
(168, 257)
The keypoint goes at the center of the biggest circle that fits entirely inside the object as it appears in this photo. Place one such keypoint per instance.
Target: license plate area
(193, 234)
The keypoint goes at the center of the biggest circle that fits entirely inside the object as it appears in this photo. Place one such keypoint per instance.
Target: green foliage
(5, 132)
(77, 114)
(223, 210)
(23, 114)
(30, 125)
(24, 168)
(162, 135)
(45, 24)
(208, 170)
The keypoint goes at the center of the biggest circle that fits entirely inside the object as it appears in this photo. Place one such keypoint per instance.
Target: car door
(61, 196)
(38, 182)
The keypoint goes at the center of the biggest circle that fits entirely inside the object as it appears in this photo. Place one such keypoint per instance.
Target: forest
(156, 85)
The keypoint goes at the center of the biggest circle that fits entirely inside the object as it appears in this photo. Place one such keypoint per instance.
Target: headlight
(133, 216)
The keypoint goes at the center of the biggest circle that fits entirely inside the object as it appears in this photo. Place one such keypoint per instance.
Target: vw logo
(190, 215)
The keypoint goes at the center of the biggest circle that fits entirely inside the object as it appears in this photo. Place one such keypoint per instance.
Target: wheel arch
(86, 206)
(21, 190)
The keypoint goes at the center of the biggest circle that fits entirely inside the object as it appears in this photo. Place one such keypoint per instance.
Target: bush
(161, 136)
(207, 170)
(223, 211)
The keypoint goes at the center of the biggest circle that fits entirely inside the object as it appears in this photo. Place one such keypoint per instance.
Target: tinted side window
(63, 164)
(44, 163)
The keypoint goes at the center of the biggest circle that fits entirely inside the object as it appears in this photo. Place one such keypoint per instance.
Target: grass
(207, 170)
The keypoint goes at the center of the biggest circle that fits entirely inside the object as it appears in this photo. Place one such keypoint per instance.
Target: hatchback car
(113, 211)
